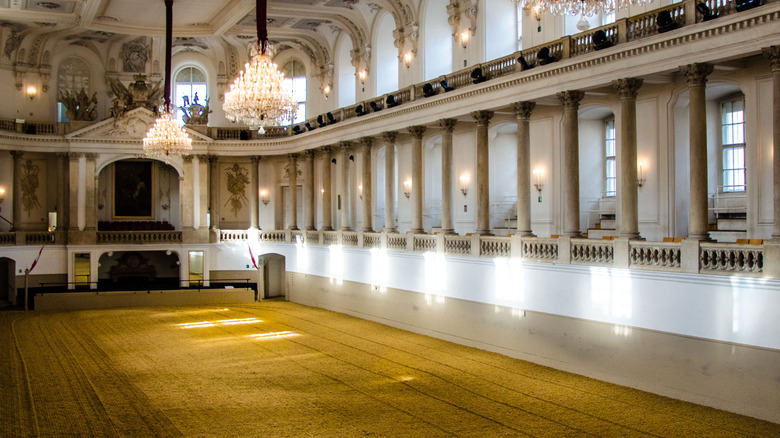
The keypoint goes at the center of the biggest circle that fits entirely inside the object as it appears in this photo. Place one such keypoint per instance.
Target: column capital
(327, 150)
(17, 154)
(310, 153)
(61, 155)
(627, 88)
(187, 158)
(447, 125)
(345, 145)
(523, 109)
(696, 73)
(416, 131)
(482, 117)
(367, 142)
(203, 157)
(390, 137)
(293, 157)
(92, 156)
(571, 98)
(213, 158)
(74, 156)
(255, 158)
(773, 53)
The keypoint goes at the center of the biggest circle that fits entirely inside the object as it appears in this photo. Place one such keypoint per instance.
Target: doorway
(272, 284)
(8, 292)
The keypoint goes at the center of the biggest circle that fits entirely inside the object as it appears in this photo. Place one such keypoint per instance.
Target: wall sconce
(539, 182)
(32, 92)
(264, 196)
(464, 38)
(326, 91)
(360, 191)
(362, 77)
(322, 191)
(464, 184)
(408, 188)
(2, 195)
(640, 174)
(408, 59)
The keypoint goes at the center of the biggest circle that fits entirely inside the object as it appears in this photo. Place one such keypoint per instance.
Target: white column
(483, 172)
(523, 113)
(417, 179)
(447, 126)
(390, 138)
(629, 211)
(571, 162)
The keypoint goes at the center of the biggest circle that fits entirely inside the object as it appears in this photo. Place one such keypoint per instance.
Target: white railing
(540, 249)
(492, 246)
(722, 258)
(655, 255)
(396, 241)
(233, 235)
(272, 236)
(372, 240)
(138, 236)
(460, 245)
(586, 251)
(424, 243)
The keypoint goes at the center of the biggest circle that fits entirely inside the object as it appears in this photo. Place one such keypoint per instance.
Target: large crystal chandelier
(586, 8)
(166, 138)
(258, 97)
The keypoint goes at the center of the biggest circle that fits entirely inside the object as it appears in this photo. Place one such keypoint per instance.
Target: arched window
(72, 76)
(501, 33)
(189, 88)
(295, 79)
(386, 56)
(346, 73)
(438, 40)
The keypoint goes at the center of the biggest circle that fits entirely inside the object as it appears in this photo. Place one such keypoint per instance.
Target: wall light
(640, 174)
(464, 183)
(264, 196)
(322, 190)
(408, 188)
(408, 59)
(360, 190)
(362, 74)
(326, 91)
(539, 181)
(32, 92)
(2, 194)
(464, 38)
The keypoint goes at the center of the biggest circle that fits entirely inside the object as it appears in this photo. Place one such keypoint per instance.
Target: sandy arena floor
(281, 369)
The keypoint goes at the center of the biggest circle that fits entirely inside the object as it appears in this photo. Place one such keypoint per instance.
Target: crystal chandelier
(166, 138)
(258, 96)
(586, 8)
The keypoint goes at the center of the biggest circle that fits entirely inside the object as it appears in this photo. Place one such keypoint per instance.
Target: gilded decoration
(237, 180)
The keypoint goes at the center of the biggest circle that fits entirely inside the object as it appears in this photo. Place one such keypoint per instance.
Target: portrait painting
(133, 189)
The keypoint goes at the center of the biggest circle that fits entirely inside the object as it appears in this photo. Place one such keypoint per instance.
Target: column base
(700, 237)
(389, 230)
(294, 229)
(572, 234)
(418, 231)
(449, 231)
(524, 233)
(483, 233)
(327, 229)
(631, 236)
(310, 228)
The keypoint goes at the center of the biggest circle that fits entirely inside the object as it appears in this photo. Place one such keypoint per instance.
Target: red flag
(251, 256)
(36, 260)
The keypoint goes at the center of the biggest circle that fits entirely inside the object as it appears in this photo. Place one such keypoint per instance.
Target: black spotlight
(351, 158)
(333, 160)
(392, 101)
(524, 65)
(321, 121)
(600, 40)
(331, 119)
(744, 5)
(360, 110)
(309, 127)
(243, 135)
(477, 76)
(428, 90)
(665, 22)
(544, 56)
(705, 11)
(446, 86)
(375, 107)
(297, 130)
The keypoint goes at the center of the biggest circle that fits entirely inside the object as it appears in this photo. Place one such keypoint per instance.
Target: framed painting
(133, 190)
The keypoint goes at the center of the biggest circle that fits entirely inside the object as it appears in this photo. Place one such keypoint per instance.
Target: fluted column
(366, 143)
(483, 172)
(73, 190)
(327, 221)
(629, 212)
(90, 206)
(17, 192)
(773, 53)
(203, 190)
(417, 179)
(62, 194)
(186, 195)
(571, 162)
(523, 114)
(447, 126)
(254, 192)
(346, 147)
(698, 222)
(214, 209)
(292, 172)
(390, 138)
(308, 191)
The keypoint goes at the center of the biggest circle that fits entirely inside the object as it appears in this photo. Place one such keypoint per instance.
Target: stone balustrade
(120, 237)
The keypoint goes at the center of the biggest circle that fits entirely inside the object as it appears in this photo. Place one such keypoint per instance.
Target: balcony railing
(627, 29)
